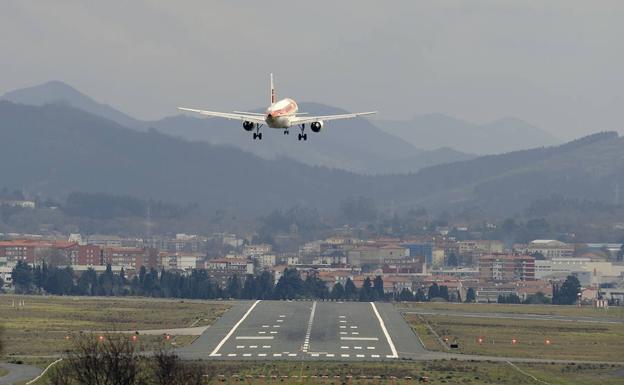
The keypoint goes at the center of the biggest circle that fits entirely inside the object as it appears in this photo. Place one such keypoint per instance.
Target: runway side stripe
(216, 350)
(385, 331)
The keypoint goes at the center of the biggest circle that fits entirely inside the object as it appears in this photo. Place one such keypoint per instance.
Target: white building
(5, 275)
(260, 249)
(179, 261)
(595, 273)
(550, 248)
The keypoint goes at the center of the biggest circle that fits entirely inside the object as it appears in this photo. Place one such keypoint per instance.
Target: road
(534, 317)
(18, 373)
(307, 330)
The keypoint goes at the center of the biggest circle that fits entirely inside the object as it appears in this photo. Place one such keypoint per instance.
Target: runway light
(446, 339)
(101, 338)
(167, 337)
(67, 337)
(134, 338)
(548, 341)
(514, 341)
(480, 340)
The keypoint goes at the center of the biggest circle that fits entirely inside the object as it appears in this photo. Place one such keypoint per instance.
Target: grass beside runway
(615, 312)
(381, 373)
(402, 373)
(534, 339)
(41, 326)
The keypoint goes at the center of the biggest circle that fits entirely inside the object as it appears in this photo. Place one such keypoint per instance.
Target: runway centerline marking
(227, 336)
(385, 331)
(306, 342)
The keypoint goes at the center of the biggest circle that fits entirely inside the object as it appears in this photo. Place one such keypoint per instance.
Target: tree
(434, 291)
(109, 360)
(567, 294)
(249, 287)
(22, 275)
(405, 295)
(420, 296)
(378, 288)
(538, 298)
(470, 295)
(233, 286)
(338, 292)
(350, 290)
(289, 286)
(443, 292)
(366, 292)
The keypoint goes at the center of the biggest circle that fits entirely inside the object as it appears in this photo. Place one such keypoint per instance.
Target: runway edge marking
(385, 331)
(227, 336)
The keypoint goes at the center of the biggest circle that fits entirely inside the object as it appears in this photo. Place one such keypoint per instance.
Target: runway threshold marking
(227, 336)
(306, 342)
(254, 337)
(385, 331)
(359, 338)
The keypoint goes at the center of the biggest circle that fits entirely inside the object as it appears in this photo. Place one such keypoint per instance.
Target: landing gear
(286, 132)
(257, 134)
(303, 136)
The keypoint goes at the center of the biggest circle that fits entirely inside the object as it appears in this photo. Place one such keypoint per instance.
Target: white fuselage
(280, 113)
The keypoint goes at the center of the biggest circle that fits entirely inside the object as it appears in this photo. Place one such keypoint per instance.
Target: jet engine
(316, 126)
(248, 126)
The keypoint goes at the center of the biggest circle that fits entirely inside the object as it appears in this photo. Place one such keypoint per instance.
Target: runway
(307, 330)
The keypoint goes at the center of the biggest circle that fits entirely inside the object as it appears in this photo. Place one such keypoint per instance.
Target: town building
(550, 248)
(506, 267)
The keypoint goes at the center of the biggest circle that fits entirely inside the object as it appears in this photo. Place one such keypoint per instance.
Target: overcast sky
(558, 64)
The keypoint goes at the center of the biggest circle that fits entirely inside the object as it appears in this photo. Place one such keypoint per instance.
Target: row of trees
(199, 285)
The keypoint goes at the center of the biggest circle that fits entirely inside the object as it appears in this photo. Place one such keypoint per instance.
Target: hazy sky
(559, 64)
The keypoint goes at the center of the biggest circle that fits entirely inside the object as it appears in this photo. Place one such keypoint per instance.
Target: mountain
(53, 150)
(55, 92)
(590, 168)
(500, 136)
(355, 145)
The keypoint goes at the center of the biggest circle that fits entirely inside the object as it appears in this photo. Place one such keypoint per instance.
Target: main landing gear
(303, 136)
(257, 134)
(286, 132)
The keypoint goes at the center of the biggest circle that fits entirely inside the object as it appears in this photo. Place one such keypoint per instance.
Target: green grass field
(42, 326)
(571, 311)
(568, 340)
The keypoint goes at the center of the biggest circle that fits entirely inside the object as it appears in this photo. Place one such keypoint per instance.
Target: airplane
(281, 114)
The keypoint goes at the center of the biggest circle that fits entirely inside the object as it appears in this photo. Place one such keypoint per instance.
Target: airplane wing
(229, 115)
(311, 119)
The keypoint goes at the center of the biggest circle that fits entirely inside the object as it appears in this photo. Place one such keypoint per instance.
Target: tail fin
(273, 94)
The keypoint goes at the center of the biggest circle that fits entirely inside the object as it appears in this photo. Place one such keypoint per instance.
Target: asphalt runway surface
(18, 373)
(307, 330)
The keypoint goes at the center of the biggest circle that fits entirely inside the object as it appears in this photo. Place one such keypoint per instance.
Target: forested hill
(54, 150)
